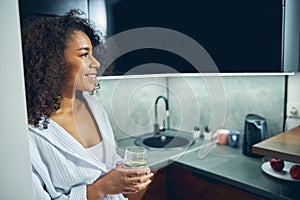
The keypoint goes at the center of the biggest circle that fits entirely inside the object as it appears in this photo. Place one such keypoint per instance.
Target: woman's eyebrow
(84, 48)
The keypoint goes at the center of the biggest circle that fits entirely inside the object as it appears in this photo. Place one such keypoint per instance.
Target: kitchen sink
(166, 139)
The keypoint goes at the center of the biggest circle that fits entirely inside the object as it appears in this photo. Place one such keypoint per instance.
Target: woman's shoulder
(37, 138)
(44, 135)
(38, 134)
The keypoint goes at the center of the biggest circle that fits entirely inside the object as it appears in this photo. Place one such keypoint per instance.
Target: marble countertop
(225, 164)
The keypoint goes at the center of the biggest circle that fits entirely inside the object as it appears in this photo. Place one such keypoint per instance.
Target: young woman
(72, 145)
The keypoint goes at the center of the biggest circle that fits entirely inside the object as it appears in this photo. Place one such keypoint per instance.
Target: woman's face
(78, 56)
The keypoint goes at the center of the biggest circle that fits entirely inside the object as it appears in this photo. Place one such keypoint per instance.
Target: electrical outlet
(293, 110)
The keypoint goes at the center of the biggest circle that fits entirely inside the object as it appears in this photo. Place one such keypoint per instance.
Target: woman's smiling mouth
(91, 76)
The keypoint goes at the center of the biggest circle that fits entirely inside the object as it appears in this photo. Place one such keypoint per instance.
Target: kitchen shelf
(285, 146)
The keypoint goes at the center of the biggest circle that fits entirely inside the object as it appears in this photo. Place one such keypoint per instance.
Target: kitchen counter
(227, 165)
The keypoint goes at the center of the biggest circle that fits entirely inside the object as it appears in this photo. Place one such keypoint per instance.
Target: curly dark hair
(44, 41)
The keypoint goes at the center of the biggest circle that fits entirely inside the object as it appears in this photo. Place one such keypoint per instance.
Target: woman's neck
(70, 103)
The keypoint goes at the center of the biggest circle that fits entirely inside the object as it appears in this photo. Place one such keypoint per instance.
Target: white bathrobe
(62, 167)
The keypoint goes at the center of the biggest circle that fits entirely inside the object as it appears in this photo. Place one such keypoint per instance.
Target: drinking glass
(135, 157)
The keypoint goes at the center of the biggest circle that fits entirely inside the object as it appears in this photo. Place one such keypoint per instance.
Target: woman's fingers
(136, 187)
(141, 186)
(137, 183)
(140, 179)
(130, 191)
(134, 180)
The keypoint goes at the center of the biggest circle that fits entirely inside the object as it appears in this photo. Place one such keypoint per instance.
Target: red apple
(277, 164)
(295, 171)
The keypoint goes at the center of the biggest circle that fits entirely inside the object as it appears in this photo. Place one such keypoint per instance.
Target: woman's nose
(95, 63)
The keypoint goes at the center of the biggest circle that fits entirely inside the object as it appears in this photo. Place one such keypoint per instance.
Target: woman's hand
(120, 180)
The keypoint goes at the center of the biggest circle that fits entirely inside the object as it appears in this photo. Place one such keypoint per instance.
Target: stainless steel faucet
(156, 125)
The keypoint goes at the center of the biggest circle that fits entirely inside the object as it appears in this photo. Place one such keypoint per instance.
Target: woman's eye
(85, 55)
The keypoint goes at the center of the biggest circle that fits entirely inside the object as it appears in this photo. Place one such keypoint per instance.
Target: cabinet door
(239, 36)
(184, 184)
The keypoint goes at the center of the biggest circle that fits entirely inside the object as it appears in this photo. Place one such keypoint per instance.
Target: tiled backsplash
(262, 95)
(221, 102)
